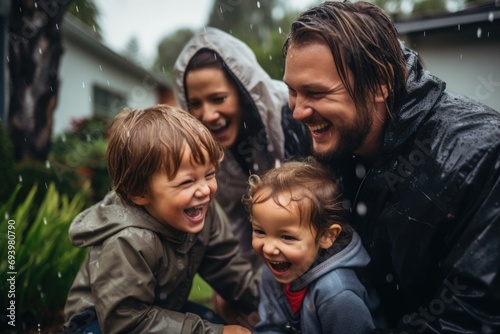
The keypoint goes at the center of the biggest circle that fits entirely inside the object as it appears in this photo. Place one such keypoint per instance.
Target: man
(419, 164)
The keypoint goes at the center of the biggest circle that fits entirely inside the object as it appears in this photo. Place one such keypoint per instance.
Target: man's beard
(350, 139)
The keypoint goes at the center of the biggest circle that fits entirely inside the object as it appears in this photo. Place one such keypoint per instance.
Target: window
(108, 103)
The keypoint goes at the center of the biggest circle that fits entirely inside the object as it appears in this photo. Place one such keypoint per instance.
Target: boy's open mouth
(280, 266)
(194, 212)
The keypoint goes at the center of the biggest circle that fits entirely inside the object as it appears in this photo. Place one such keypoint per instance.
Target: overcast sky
(151, 20)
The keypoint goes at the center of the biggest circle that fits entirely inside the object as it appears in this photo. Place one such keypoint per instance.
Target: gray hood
(353, 255)
(104, 219)
(266, 93)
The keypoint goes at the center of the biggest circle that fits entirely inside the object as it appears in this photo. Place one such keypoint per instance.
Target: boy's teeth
(195, 211)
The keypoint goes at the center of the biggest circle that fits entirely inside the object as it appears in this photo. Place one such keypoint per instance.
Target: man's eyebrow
(308, 86)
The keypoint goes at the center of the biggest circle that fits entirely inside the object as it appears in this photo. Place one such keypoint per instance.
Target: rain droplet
(40, 50)
(270, 57)
(459, 27)
(255, 167)
(258, 4)
(280, 31)
(100, 67)
(59, 274)
(20, 178)
(57, 26)
(424, 33)
(491, 17)
(479, 32)
(83, 84)
(47, 164)
(361, 208)
(389, 278)
(360, 171)
(163, 296)
(44, 221)
(6, 215)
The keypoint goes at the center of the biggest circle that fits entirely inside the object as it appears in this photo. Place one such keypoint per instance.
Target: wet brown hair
(142, 142)
(363, 40)
(315, 191)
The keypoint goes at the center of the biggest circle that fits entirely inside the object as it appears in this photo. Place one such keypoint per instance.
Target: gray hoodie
(335, 301)
(277, 136)
(138, 273)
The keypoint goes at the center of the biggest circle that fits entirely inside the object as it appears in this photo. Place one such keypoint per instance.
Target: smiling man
(419, 166)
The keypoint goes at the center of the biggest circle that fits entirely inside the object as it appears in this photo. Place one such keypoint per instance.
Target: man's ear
(327, 240)
(381, 94)
(139, 200)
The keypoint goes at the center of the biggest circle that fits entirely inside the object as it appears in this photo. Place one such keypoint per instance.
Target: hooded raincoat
(428, 210)
(138, 273)
(335, 301)
(276, 135)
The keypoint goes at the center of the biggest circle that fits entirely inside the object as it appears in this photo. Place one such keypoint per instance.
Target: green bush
(81, 150)
(46, 262)
(6, 164)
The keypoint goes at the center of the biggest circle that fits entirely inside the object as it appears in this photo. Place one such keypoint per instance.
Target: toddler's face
(181, 202)
(283, 243)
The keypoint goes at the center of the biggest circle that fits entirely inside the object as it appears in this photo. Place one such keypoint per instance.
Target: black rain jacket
(428, 211)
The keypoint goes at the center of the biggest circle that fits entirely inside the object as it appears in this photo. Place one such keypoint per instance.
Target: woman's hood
(267, 94)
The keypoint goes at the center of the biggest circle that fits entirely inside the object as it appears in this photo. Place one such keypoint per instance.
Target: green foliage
(87, 12)
(6, 164)
(45, 261)
(200, 291)
(429, 7)
(81, 152)
(169, 49)
(29, 174)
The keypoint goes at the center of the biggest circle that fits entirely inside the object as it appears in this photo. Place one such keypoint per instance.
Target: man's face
(320, 100)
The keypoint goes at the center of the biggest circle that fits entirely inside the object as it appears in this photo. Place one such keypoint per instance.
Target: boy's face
(183, 201)
(283, 243)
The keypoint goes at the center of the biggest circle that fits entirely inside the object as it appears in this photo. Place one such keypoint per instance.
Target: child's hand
(235, 329)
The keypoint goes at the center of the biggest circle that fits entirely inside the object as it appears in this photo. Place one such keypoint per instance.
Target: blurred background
(69, 66)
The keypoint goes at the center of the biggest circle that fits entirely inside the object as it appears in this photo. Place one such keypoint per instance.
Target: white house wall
(469, 64)
(80, 70)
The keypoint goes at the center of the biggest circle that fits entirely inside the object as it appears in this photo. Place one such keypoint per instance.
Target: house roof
(481, 13)
(74, 29)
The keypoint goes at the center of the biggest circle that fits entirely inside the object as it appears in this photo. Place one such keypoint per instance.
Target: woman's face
(214, 100)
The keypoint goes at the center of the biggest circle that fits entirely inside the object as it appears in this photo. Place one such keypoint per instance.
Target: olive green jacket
(138, 273)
